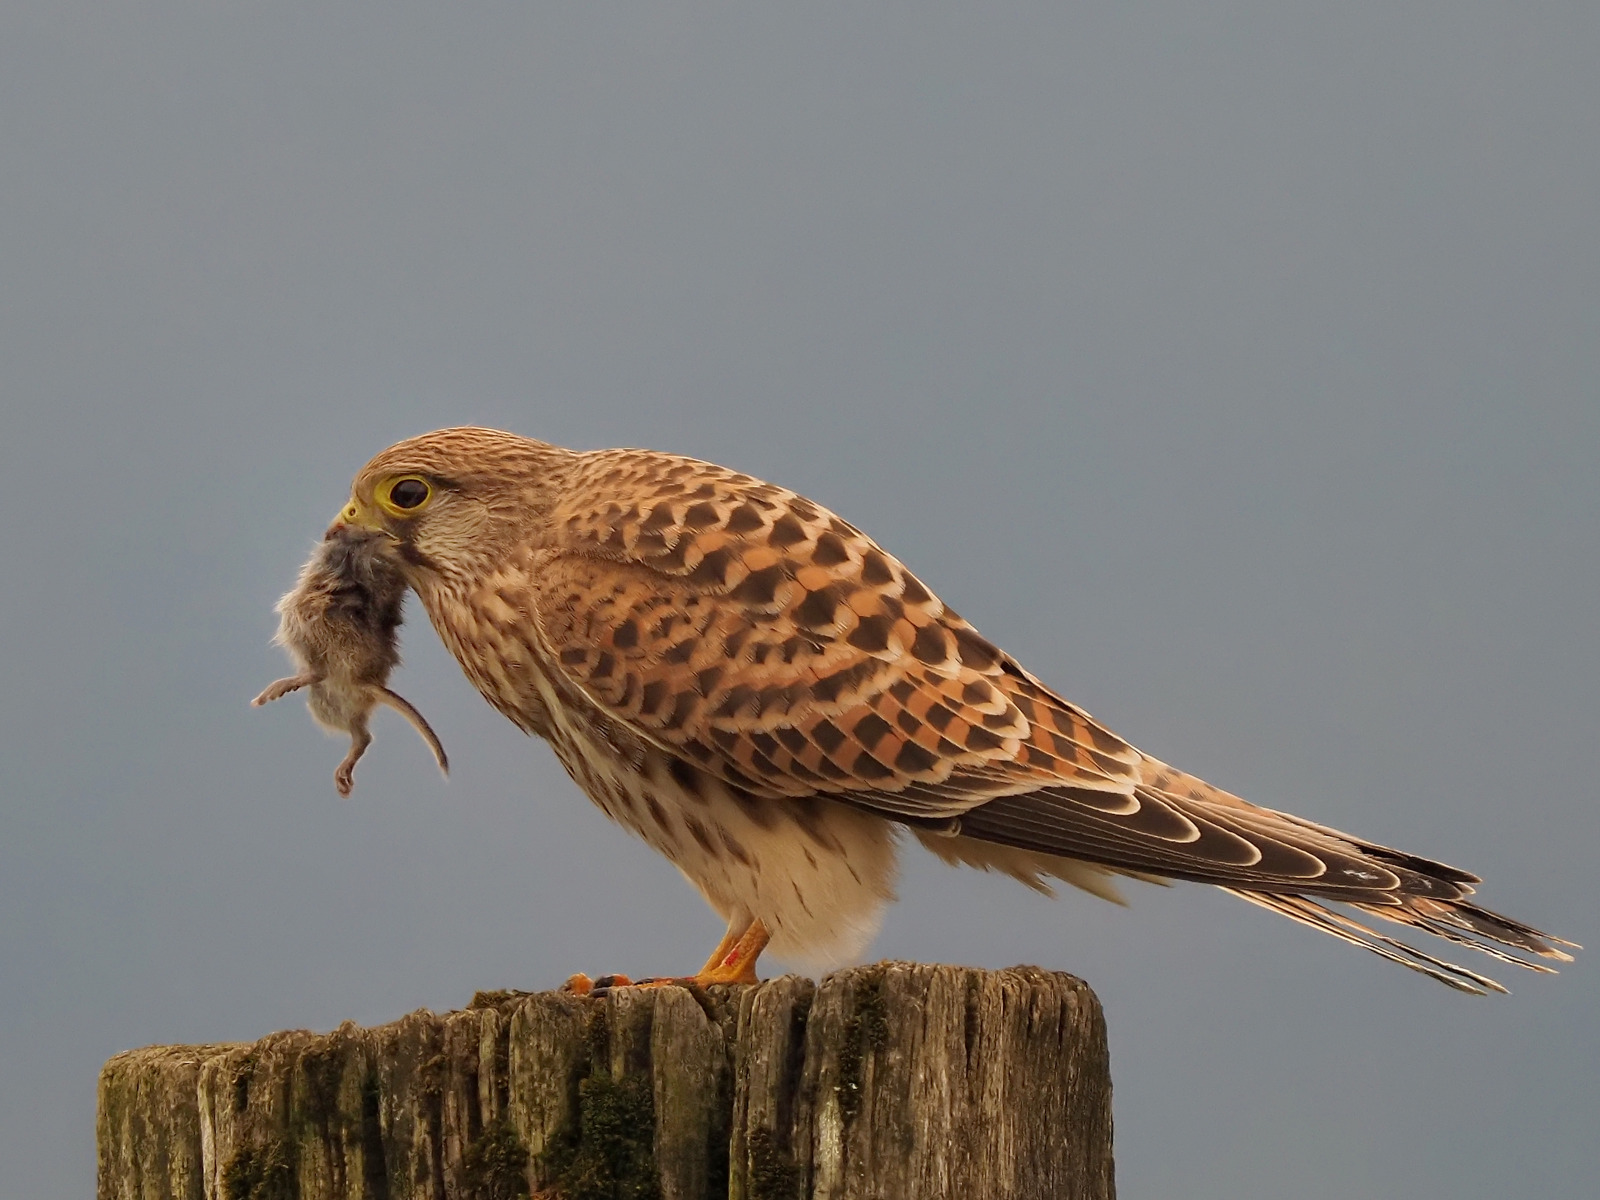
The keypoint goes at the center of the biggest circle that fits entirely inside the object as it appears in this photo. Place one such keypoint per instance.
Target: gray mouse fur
(340, 626)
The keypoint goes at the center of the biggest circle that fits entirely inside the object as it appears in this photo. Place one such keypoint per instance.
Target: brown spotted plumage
(766, 696)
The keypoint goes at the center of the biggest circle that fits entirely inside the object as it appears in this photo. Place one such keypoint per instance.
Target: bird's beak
(355, 518)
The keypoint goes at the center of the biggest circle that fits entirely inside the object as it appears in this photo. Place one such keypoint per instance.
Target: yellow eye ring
(404, 495)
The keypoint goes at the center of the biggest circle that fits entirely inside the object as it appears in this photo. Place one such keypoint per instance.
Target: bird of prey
(770, 699)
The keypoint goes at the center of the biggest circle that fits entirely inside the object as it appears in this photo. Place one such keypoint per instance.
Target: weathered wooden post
(891, 1082)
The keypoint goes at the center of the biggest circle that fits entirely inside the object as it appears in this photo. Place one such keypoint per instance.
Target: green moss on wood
(611, 1154)
(598, 1036)
(495, 1167)
(773, 1174)
(866, 1030)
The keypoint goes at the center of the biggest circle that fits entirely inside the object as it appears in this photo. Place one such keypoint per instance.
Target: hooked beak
(355, 520)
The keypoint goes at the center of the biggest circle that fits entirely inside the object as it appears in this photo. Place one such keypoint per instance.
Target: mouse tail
(403, 706)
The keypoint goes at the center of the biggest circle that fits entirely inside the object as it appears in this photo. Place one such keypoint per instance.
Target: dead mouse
(340, 625)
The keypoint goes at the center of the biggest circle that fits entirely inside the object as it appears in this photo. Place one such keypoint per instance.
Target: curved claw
(581, 985)
(733, 961)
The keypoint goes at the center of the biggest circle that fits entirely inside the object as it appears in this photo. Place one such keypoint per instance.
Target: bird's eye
(407, 494)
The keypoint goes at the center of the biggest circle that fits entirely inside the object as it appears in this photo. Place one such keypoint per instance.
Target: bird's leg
(737, 965)
(733, 961)
(737, 928)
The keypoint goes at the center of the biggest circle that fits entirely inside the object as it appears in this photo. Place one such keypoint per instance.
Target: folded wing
(761, 638)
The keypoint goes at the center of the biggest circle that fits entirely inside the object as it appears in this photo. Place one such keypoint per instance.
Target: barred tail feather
(1452, 922)
(1348, 929)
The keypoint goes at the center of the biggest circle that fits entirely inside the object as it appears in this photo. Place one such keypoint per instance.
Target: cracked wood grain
(883, 1082)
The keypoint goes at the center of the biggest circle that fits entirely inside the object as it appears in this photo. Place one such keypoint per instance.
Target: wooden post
(889, 1082)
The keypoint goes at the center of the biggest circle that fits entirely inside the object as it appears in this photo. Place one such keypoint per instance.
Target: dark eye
(408, 493)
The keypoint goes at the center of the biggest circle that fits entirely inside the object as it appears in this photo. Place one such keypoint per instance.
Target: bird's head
(452, 502)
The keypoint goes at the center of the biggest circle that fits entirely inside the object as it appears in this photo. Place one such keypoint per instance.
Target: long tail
(1179, 827)
(1447, 923)
(403, 706)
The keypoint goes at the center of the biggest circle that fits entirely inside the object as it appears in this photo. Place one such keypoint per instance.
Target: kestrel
(770, 699)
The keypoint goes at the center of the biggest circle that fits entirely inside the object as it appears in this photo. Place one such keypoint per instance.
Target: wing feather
(758, 634)
(743, 627)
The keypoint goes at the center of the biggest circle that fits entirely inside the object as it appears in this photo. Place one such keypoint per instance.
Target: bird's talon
(581, 985)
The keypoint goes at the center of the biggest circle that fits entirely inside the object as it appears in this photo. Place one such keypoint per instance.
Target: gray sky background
(1235, 365)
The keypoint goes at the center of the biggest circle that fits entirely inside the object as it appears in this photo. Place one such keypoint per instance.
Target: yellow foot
(581, 985)
(733, 961)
